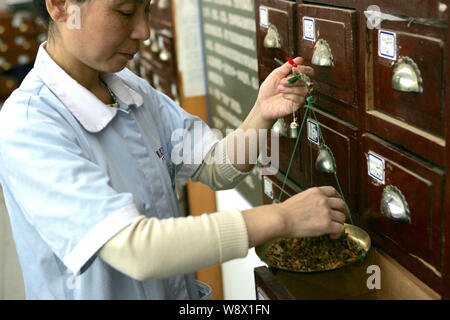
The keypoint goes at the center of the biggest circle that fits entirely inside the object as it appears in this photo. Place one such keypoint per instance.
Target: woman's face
(106, 33)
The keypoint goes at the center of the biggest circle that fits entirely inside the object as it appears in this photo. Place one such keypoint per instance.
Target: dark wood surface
(348, 282)
(334, 3)
(267, 285)
(428, 9)
(351, 282)
(446, 210)
(162, 75)
(164, 16)
(359, 111)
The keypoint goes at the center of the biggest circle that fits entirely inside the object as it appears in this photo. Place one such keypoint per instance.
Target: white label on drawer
(313, 131)
(375, 167)
(387, 44)
(268, 187)
(263, 17)
(309, 29)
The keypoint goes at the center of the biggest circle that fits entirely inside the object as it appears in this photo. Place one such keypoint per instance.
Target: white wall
(237, 275)
(11, 280)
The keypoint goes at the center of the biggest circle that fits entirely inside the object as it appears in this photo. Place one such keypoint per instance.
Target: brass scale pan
(355, 233)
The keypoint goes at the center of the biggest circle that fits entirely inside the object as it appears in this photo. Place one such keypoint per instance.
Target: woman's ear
(57, 10)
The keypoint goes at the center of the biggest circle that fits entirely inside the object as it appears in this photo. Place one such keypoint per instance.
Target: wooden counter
(350, 282)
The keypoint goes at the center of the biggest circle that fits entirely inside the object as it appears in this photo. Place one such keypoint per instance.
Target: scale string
(310, 104)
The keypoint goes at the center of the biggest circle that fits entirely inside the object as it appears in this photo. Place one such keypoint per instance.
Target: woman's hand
(277, 98)
(313, 212)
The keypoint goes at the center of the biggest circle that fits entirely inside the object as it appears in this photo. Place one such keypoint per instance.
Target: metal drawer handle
(147, 42)
(272, 39)
(164, 55)
(325, 161)
(322, 55)
(407, 76)
(280, 127)
(163, 4)
(394, 205)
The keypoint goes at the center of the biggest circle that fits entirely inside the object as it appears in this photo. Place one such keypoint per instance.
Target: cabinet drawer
(402, 206)
(326, 40)
(19, 50)
(286, 149)
(162, 10)
(167, 57)
(146, 71)
(161, 54)
(20, 23)
(167, 86)
(275, 31)
(134, 65)
(335, 3)
(149, 48)
(7, 86)
(272, 186)
(414, 52)
(430, 9)
(341, 140)
(11, 61)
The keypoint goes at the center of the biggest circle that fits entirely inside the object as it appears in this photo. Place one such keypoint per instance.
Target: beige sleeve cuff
(217, 171)
(153, 248)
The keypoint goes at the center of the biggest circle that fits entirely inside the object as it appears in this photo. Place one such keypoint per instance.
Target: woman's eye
(126, 14)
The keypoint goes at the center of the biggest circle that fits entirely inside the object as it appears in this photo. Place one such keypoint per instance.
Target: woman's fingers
(337, 204)
(295, 98)
(329, 192)
(285, 83)
(286, 68)
(301, 90)
(305, 70)
(336, 230)
(337, 216)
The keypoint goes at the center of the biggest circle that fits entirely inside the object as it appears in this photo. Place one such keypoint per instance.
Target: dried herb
(312, 254)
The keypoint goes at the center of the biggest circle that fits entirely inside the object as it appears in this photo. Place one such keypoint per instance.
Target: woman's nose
(141, 29)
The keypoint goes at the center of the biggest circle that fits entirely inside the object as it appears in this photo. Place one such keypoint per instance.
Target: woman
(87, 170)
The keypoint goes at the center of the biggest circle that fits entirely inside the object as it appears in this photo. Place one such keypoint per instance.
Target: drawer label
(376, 167)
(309, 29)
(264, 17)
(387, 44)
(268, 187)
(313, 131)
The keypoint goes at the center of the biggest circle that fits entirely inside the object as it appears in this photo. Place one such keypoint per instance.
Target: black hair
(41, 9)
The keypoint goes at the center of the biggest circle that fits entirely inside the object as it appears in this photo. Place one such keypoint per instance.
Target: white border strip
(98, 236)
